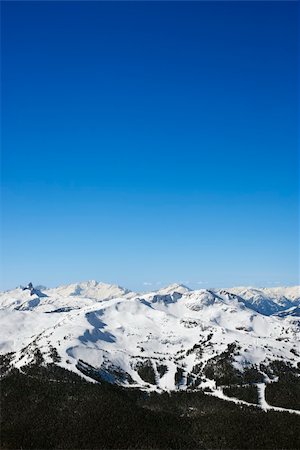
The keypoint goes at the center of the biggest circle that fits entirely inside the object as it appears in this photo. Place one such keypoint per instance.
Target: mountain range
(171, 339)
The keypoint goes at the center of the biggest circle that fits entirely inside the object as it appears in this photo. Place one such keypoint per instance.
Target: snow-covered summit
(91, 289)
(174, 287)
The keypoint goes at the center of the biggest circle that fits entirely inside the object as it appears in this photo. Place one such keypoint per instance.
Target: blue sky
(150, 142)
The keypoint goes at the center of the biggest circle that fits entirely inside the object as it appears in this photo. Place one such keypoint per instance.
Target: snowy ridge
(174, 338)
(268, 300)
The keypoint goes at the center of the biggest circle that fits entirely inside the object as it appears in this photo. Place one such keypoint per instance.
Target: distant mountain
(175, 287)
(91, 289)
(71, 296)
(268, 300)
(174, 338)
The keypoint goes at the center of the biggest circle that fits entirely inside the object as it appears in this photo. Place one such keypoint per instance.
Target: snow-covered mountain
(71, 296)
(174, 338)
(268, 300)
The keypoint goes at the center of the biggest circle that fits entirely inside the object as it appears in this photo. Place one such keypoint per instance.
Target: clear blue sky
(150, 142)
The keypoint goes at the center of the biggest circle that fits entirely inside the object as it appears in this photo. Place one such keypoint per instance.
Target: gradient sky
(150, 142)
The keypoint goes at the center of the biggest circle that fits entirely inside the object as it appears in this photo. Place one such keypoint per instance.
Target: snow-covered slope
(174, 338)
(268, 300)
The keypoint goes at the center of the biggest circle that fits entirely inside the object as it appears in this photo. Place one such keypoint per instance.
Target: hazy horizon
(155, 286)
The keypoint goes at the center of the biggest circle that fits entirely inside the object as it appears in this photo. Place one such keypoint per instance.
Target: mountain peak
(92, 289)
(174, 287)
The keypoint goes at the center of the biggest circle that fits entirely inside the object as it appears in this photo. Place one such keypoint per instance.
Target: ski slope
(159, 340)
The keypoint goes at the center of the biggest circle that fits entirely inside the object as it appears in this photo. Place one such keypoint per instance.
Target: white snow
(107, 326)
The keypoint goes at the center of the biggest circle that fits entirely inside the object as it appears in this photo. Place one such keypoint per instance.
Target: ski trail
(261, 398)
(261, 387)
(220, 394)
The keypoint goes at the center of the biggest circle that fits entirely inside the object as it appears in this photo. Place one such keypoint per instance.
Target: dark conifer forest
(51, 408)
